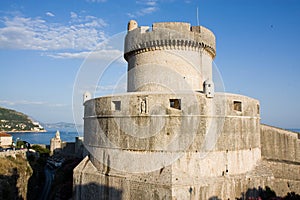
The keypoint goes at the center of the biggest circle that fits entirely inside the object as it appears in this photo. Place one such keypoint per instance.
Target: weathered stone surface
(280, 145)
(167, 139)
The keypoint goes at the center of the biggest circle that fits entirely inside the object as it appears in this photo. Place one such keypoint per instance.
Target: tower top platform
(168, 35)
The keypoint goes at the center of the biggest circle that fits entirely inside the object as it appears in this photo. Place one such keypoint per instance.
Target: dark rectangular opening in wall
(237, 106)
(175, 103)
(116, 105)
(258, 109)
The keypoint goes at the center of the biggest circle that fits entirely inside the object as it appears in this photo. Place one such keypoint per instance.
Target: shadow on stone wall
(258, 193)
(8, 186)
(214, 198)
(97, 191)
(263, 194)
(62, 185)
(37, 180)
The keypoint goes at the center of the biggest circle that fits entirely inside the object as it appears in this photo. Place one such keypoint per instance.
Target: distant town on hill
(13, 121)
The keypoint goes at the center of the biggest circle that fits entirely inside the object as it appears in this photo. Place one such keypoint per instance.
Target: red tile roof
(3, 134)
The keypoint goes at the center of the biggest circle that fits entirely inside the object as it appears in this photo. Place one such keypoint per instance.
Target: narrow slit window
(258, 112)
(116, 105)
(237, 106)
(175, 103)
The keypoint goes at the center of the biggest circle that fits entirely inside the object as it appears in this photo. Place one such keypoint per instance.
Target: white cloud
(73, 15)
(151, 3)
(21, 102)
(147, 2)
(111, 89)
(148, 7)
(80, 33)
(50, 14)
(109, 55)
(131, 15)
(122, 86)
(57, 105)
(147, 10)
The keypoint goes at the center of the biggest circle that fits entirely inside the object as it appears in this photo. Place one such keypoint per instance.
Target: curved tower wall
(161, 128)
(183, 52)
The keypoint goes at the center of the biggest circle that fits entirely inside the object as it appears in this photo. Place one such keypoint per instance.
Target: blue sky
(43, 45)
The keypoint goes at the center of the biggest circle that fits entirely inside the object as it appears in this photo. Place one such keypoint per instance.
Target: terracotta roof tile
(3, 134)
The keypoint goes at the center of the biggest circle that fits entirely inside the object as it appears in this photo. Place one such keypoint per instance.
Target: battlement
(168, 35)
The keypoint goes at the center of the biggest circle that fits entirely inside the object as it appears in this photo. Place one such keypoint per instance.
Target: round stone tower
(182, 51)
(167, 138)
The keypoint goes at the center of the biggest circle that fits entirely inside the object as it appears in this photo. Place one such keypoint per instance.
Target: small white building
(5, 139)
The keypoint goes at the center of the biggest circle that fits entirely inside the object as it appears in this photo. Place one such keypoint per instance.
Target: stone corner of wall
(81, 166)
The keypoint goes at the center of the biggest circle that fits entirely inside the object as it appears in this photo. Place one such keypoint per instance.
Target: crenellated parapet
(168, 36)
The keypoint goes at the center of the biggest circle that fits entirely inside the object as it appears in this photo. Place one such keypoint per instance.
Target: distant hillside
(11, 120)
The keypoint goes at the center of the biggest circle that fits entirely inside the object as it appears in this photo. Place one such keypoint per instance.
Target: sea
(44, 137)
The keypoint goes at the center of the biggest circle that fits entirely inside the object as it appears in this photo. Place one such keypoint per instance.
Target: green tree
(41, 150)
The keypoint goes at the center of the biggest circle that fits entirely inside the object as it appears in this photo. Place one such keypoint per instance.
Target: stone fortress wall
(208, 144)
(241, 128)
(286, 143)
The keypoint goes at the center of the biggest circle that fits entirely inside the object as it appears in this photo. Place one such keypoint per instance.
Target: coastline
(42, 131)
(44, 137)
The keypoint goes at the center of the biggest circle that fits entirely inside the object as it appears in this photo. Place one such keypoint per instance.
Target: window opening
(175, 103)
(237, 105)
(116, 105)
